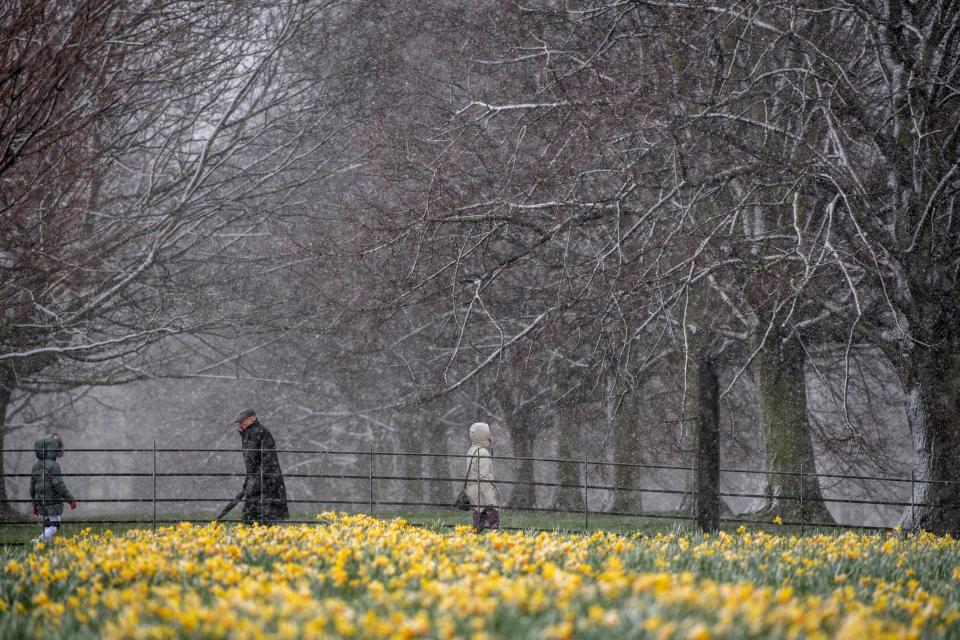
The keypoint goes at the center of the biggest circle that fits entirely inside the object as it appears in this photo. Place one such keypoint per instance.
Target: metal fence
(370, 494)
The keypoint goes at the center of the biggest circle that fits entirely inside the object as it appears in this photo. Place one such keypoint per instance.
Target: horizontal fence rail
(365, 461)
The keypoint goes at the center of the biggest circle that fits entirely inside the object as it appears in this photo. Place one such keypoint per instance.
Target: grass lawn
(14, 533)
(438, 519)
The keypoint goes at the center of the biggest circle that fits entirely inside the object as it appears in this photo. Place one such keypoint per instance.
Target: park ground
(353, 575)
(23, 531)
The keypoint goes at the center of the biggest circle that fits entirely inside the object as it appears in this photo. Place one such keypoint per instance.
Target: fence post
(154, 485)
(586, 509)
(801, 497)
(371, 478)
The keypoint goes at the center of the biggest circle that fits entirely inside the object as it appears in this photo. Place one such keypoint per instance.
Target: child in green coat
(47, 490)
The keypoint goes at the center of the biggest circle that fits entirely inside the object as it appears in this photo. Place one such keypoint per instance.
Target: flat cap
(246, 413)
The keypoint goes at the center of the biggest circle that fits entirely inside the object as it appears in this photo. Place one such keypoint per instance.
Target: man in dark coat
(264, 493)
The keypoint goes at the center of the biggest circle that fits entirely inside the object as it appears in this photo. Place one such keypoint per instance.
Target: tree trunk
(626, 450)
(788, 448)
(688, 440)
(7, 512)
(932, 381)
(524, 493)
(442, 490)
(708, 445)
(569, 447)
(7, 385)
(413, 442)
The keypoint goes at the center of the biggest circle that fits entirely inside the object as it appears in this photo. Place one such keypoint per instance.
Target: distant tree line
(620, 220)
(599, 192)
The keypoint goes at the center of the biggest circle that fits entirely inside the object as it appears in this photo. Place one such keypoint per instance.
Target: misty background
(703, 234)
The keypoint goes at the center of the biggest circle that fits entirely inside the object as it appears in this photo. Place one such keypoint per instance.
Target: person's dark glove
(35, 511)
(73, 504)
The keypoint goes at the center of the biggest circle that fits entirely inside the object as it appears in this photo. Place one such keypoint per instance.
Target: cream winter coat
(480, 468)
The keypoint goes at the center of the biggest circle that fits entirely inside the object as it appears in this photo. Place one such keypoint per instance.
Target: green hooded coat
(47, 489)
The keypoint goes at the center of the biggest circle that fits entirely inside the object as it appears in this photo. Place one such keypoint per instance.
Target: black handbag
(463, 500)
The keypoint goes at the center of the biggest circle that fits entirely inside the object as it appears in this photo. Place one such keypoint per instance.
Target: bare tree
(743, 184)
(138, 145)
(872, 143)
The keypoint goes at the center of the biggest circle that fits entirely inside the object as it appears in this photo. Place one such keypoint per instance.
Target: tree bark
(413, 441)
(441, 490)
(688, 440)
(626, 450)
(524, 493)
(708, 445)
(7, 385)
(788, 448)
(569, 447)
(932, 381)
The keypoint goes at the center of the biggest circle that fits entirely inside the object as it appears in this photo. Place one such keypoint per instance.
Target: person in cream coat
(484, 498)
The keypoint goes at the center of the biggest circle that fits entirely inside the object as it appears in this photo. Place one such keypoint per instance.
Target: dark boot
(492, 517)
